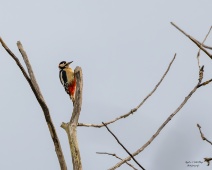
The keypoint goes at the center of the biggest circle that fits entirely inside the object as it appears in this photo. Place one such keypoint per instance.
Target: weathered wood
(36, 90)
(71, 127)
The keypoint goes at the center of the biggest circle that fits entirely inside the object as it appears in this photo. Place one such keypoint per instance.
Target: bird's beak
(69, 63)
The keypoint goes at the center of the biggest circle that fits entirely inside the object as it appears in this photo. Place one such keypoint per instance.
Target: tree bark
(30, 77)
(71, 127)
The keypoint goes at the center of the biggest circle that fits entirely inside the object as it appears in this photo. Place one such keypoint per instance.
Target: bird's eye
(62, 62)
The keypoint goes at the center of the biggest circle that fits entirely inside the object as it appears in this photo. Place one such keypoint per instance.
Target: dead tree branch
(202, 135)
(194, 40)
(165, 123)
(71, 127)
(123, 146)
(208, 47)
(136, 108)
(198, 54)
(17, 62)
(208, 160)
(205, 83)
(35, 88)
(113, 154)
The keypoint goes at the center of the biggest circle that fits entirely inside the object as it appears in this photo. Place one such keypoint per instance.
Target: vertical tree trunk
(71, 127)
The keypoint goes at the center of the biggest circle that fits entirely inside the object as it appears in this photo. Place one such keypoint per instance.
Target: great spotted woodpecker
(67, 79)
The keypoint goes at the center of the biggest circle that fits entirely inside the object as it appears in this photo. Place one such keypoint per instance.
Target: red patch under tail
(72, 88)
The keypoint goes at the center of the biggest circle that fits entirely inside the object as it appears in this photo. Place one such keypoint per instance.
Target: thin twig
(193, 39)
(163, 125)
(123, 146)
(208, 47)
(16, 60)
(35, 88)
(198, 54)
(136, 108)
(205, 83)
(202, 135)
(113, 154)
(208, 160)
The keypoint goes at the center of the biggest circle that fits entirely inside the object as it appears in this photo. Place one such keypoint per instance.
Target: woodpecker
(67, 79)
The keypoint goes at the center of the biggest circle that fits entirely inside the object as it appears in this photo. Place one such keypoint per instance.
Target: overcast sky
(123, 48)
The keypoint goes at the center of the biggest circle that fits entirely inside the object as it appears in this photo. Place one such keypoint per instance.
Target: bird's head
(64, 64)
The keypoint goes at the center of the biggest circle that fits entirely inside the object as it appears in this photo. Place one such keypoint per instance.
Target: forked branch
(208, 47)
(198, 54)
(204, 138)
(165, 123)
(201, 46)
(136, 108)
(113, 154)
(35, 88)
(123, 146)
(208, 160)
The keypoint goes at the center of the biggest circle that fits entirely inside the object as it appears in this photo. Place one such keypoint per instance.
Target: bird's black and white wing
(64, 80)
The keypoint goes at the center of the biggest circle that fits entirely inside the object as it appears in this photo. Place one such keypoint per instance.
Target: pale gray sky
(123, 47)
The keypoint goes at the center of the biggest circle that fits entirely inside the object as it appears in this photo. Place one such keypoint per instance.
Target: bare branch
(193, 39)
(16, 60)
(164, 124)
(35, 88)
(29, 67)
(205, 83)
(123, 146)
(113, 154)
(202, 135)
(208, 160)
(136, 108)
(208, 47)
(71, 127)
(198, 54)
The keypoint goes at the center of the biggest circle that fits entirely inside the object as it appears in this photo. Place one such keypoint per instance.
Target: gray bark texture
(71, 127)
